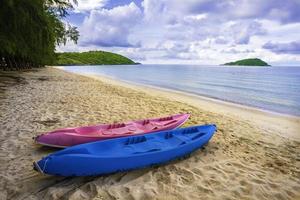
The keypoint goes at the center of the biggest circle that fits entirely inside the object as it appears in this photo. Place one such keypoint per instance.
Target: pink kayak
(72, 136)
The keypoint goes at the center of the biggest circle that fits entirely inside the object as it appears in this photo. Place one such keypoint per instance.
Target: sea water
(274, 89)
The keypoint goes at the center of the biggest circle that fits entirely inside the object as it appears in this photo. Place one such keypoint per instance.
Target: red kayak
(72, 136)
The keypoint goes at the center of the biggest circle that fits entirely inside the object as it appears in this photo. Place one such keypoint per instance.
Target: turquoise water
(274, 89)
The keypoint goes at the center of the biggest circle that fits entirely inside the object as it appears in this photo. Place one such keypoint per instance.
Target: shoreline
(195, 94)
(287, 125)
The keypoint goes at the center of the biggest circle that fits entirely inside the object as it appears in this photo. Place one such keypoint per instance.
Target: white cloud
(152, 8)
(88, 5)
(110, 27)
(243, 31)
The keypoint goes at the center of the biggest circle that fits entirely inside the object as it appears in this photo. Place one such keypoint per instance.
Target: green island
(249, 62)
(91, 58)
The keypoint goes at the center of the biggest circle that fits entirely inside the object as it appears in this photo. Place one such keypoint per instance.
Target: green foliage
(92, 58)
(30, 30)
(249, 62)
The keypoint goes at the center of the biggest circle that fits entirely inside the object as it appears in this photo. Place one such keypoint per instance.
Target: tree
(30, 31)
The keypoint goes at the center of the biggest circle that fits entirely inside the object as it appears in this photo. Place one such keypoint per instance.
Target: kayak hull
(79, 135)
(128, 153)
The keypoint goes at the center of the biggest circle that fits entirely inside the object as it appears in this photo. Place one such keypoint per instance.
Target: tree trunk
(8, 63)
(15, 67)
(5, 63)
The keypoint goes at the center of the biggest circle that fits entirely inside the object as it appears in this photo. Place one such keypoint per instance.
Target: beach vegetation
(30, 31)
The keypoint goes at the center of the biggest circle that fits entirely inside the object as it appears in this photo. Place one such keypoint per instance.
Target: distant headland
(92, 58)
(249, 62)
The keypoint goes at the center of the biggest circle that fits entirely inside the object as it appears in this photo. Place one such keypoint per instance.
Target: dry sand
(244, 160)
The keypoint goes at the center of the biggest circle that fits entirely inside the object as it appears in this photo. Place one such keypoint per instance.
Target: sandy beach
(253, 155)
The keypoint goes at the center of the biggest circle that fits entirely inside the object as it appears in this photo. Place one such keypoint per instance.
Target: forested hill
(249, 62)
(91, 58)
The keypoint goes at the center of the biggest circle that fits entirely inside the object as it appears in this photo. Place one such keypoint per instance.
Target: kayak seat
(190, 131)
(83, 130)
(122, 130)
(146, 147)
(170, 122)
(139, 145)
(197, 136)
(154, 126)
(180, 140)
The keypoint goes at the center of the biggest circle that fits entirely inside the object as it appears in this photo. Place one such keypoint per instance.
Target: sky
(205, 32)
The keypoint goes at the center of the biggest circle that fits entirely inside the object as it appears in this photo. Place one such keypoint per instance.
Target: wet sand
(244, 160)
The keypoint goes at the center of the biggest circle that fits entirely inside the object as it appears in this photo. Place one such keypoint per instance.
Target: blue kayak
(127, 153)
